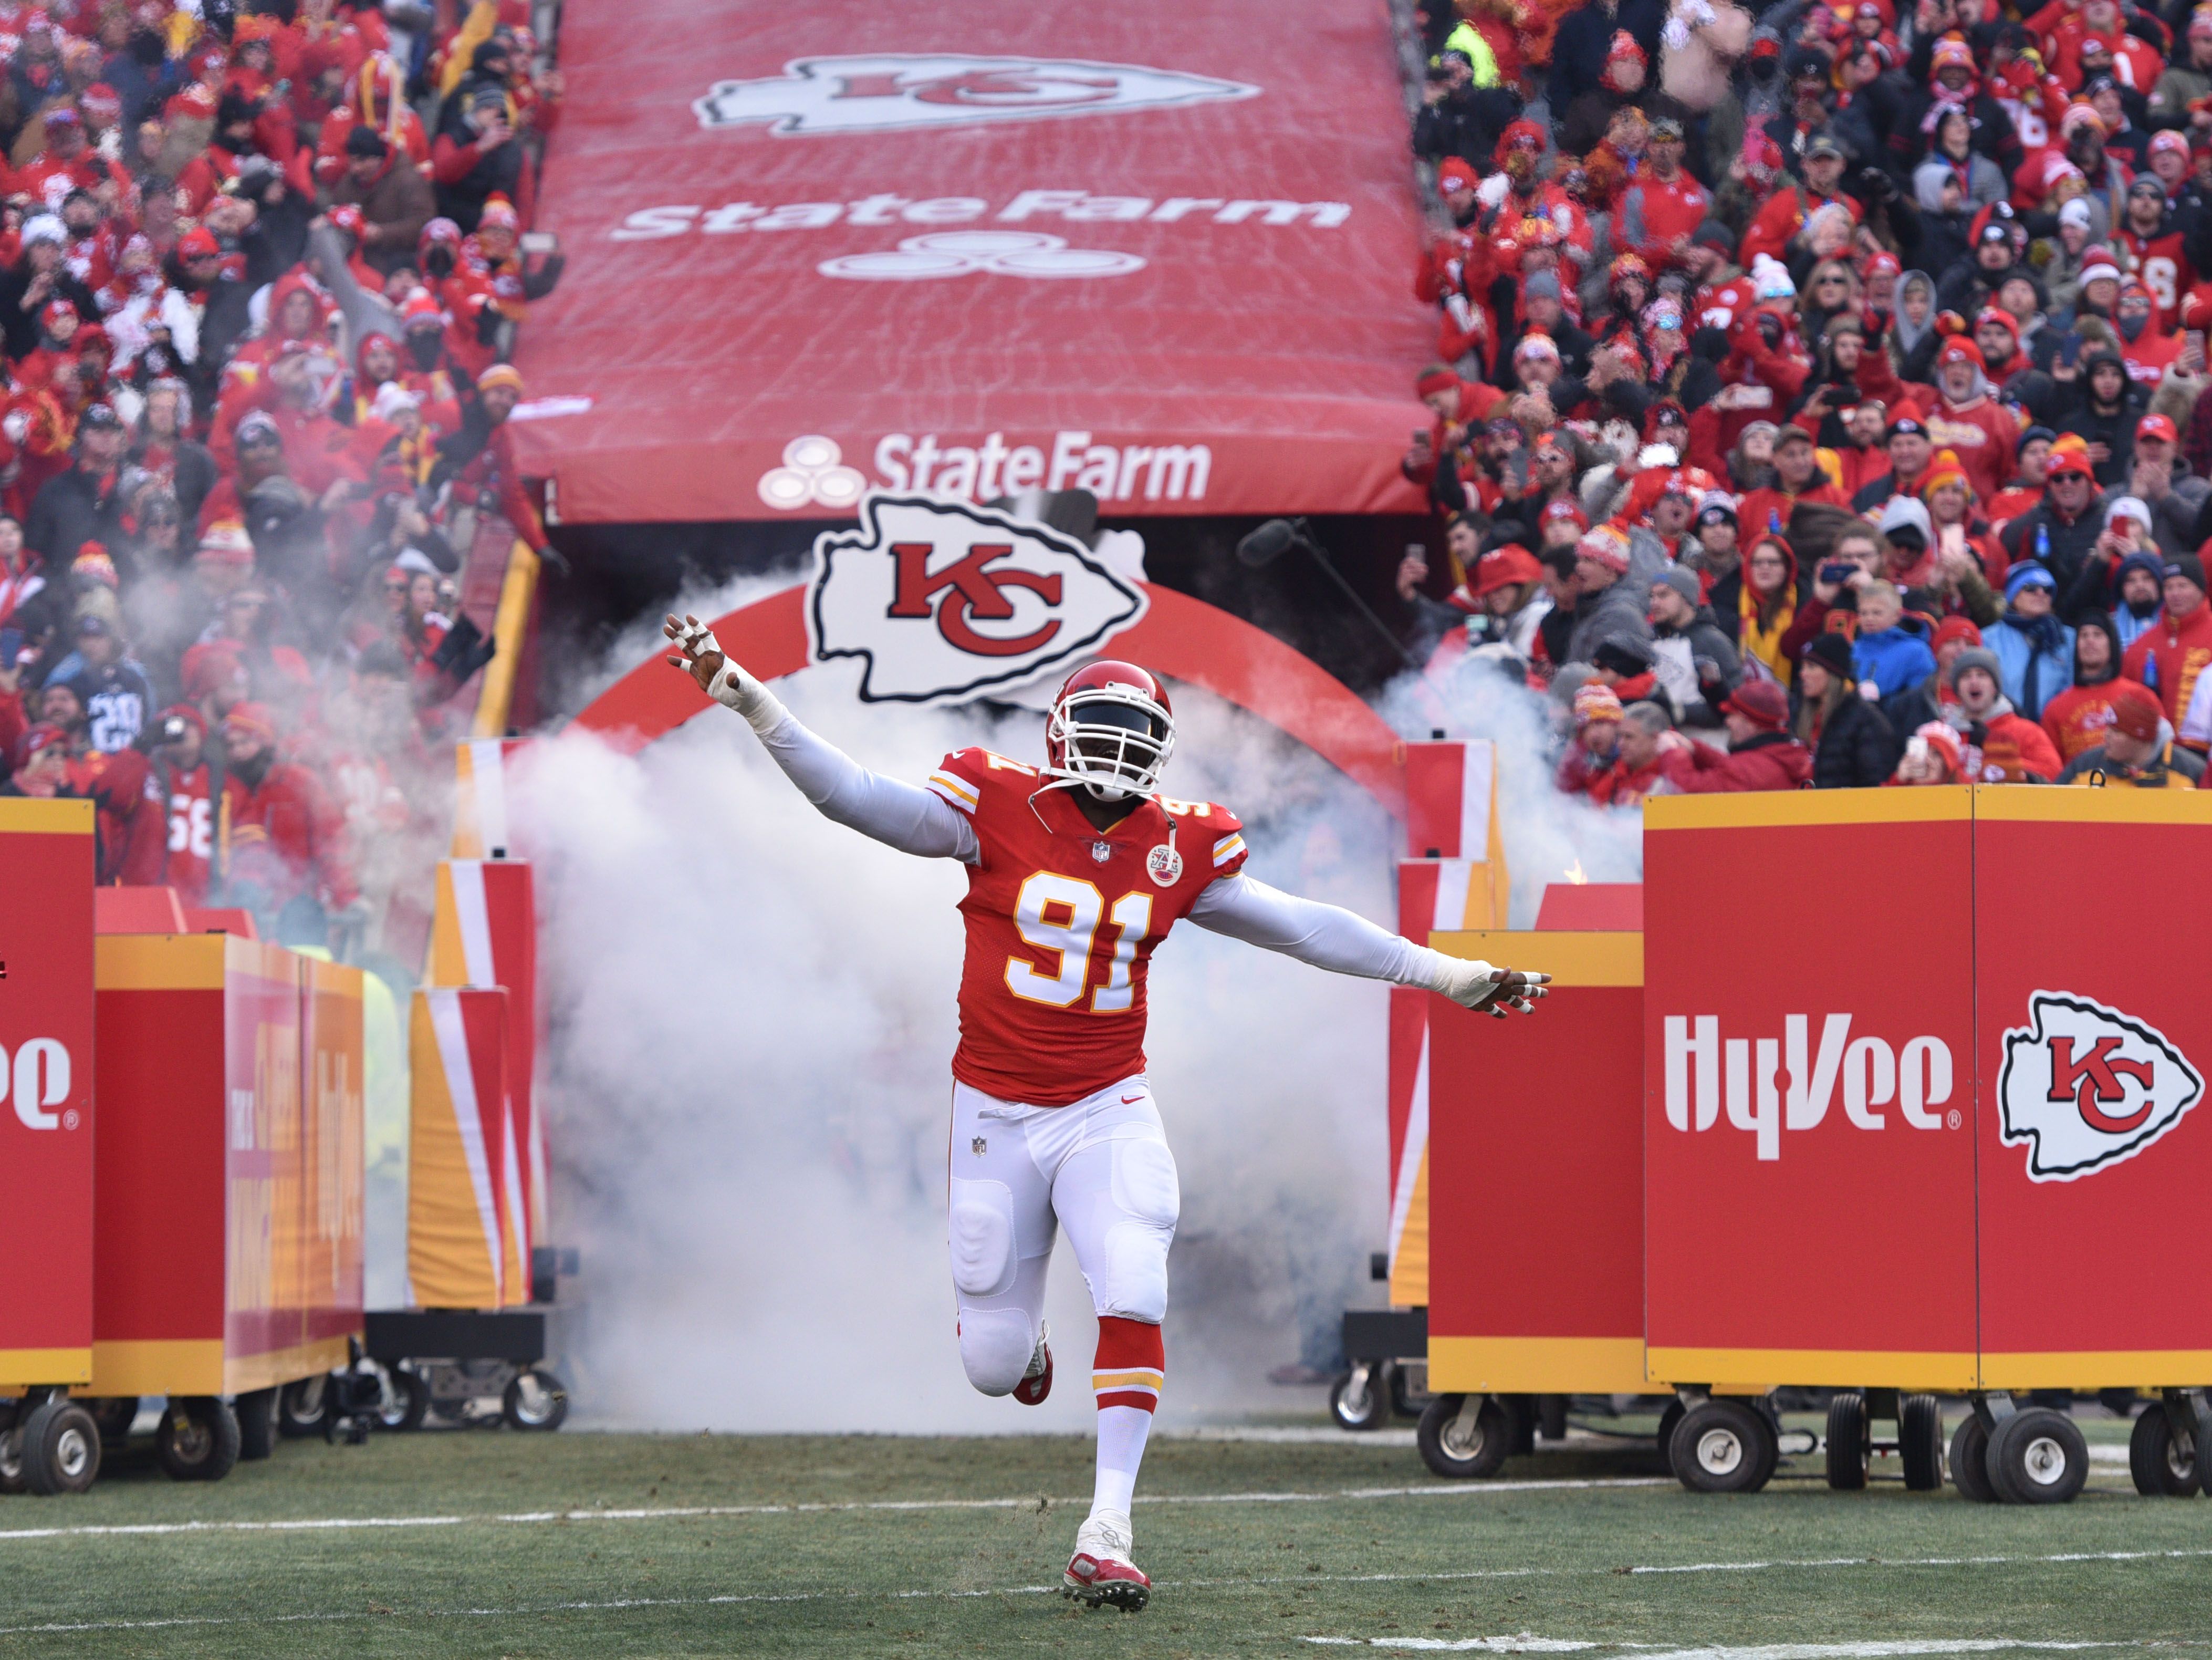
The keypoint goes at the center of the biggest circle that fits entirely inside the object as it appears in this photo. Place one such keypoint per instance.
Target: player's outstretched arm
(1330, 937)
(897, 814)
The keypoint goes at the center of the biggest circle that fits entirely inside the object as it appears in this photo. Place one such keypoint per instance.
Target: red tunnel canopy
(1159, 251)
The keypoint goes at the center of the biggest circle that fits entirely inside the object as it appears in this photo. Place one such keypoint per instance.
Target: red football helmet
(1111, 730)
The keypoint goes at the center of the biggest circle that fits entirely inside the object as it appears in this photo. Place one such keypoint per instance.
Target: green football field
(492, 1543)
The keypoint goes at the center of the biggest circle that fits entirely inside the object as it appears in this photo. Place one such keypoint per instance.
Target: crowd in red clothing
(1820, 392)
(261, 270)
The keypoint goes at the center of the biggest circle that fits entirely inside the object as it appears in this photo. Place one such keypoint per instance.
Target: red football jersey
(1062, 920)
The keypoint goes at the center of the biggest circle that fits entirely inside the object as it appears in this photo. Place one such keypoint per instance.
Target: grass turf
(1234, 1574)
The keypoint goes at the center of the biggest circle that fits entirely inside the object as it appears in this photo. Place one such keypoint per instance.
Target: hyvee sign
(941, 600)
(891, 92)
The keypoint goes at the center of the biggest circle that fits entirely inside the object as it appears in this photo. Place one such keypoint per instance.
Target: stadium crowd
(261, 268)
(1820, 392)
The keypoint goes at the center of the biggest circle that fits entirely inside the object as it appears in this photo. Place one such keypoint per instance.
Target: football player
(1076, 871)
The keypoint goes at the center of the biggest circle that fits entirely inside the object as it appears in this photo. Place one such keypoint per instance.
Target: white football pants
(1101, 1169)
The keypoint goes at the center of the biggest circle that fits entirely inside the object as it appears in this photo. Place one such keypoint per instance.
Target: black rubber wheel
(1366, 1407)
(303, 1407)
(1920, 1442)
(2163, 1464)
(2037, 1456)
(256, 1411)
(61, 1449)
(535, 1399)
(1665, 1439)
(198, 1440)
(1465, 1437)
(406, 1402)
(1851, 1444)
(1724, 1446)
(1970, 1462)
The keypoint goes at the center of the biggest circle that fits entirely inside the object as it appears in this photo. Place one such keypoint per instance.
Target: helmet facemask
(1112, 741)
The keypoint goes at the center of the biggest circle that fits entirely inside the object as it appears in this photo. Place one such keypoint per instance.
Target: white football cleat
(1036, 1382)
(1100, 1572)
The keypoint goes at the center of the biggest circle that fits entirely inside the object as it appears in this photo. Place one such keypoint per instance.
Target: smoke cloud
(750, 1016)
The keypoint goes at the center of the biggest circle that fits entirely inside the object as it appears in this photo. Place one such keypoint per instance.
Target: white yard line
(660, 1513)
(1527, 1642)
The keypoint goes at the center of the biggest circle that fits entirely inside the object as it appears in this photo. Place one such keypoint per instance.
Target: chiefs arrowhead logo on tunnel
(890, 91)
(2085, 1086)
(943, 600)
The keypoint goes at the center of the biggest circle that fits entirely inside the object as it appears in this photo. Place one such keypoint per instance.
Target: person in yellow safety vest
(2137, 752)
(1468, 39)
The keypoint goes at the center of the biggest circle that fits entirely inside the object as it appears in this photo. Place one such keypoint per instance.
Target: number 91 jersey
(1062, 919)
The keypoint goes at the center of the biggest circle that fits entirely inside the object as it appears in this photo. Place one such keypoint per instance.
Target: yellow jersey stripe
(953, 791)
(1227, 849)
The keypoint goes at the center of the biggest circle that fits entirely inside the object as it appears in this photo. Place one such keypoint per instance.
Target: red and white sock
(1126, 1379)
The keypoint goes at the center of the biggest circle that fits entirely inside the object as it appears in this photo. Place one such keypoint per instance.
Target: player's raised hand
(1480, 985)
(698, 653)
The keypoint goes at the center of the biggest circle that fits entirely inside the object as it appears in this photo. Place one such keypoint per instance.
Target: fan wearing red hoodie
(2169, 654)
(285, 837)
(1761, 754)
(1458, 406)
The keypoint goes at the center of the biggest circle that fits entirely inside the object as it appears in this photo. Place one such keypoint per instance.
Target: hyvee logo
(900, 90)
(941, 600)
(38, 1080)
(2085, 1086)
(1701, 1066)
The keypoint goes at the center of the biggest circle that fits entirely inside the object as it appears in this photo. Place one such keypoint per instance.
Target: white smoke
(750, 1018)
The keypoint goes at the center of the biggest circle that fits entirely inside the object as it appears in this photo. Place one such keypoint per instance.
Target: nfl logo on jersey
(941, 600)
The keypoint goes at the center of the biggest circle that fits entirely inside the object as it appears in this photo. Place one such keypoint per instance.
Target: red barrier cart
(1894, 1160)
(1535, 1212)
(47, 1443)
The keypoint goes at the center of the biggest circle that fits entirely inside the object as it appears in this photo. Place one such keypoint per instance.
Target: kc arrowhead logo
(942, 600)
(895, 91)
(2085, 1086)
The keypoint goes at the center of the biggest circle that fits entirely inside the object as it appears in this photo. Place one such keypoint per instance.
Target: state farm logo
(2085, 1086)
(940, 599)
(900, 90)
(981, 253)
(1770, 1085)
(39, 1079)
(813, 471)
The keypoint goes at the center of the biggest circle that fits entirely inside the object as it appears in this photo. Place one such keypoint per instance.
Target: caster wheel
(198, 1440)
(1464, 1436)
(60, 1448)
(1360, 1400)
(1920, 1442)
(1969, 1467)
(1849, 1444)
(535, 1401)
(303, 1406)
(1724, 1446)
(2038, 1458)
(2163, 1464)
(256, 1424)
(406, 1401)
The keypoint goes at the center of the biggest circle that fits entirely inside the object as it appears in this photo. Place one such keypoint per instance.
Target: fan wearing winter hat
(2138, 750)
(2059, 532)
(2171, 654)
(2034, 650)
(1852, 744)
(2003, 746)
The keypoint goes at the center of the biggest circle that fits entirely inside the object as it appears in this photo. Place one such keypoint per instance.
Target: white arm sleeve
(1327, 936)
(899, 815)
